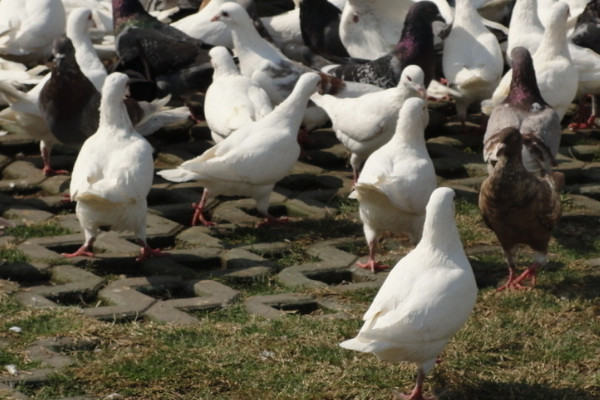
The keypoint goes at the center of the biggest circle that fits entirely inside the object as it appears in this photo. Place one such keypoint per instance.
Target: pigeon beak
(215, 18)
(422, 91)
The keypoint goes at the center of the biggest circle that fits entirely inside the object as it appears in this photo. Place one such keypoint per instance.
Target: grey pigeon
(526, 110)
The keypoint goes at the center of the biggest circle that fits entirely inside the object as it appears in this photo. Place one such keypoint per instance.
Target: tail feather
(178, 175)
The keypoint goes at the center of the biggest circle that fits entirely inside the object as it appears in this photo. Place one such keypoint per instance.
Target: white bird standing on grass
(113, 174)
(396, 181)
(253, 158)
(425, 299)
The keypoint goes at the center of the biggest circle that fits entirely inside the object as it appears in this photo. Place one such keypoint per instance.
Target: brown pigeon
(519, 207)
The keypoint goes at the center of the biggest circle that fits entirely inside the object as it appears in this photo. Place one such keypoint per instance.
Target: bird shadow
(487, 390)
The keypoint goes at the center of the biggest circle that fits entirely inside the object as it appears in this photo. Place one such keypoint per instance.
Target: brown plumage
(519, 207)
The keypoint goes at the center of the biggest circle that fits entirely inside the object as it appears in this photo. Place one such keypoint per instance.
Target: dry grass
(539, 344)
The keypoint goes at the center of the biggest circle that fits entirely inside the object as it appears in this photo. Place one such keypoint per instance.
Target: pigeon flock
(367, 67)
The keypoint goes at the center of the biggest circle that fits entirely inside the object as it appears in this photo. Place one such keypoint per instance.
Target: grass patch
(11, 254)
(36, 230)
(542, 344)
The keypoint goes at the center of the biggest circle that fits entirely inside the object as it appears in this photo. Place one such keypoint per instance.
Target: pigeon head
(231, 13)
(510, 144)
(123, 10)
(416, 45)
(425, 12)
(80, 21)
(412, 79)
(524, 90)
(439, 229)
(62, 49)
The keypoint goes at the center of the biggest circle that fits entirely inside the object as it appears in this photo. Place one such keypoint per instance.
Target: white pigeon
(198, 25)
(267, 66)
(472, 60)
(232, 100)
(252, 159)
(23, 113)
(113, 174)
(28, 28)
(425, 299)
(396, 181)
(525, 28)
(259, 59)
(557, 75)
(367, 122)
(285, 27)
(370, 29)
(78, 24)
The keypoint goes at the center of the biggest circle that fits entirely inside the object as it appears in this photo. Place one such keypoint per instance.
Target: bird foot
(81, 252)
(373, 266)
(49, 171)
(199, 216)
(515, 283)
(147, 252)
(271, 220)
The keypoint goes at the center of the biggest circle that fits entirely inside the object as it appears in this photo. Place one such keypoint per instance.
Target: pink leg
(515, 283)
(417, 393)
(530, 273)
(47, 169)
(372, 264)
(271, 220)
(84, 251)
(584, 120)
(148, 252)
(199, 211)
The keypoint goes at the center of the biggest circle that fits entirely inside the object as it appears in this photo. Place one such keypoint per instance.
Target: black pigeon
(587, 27)
(158, 51)
(320, 27)
(69, 101)
(416, 46)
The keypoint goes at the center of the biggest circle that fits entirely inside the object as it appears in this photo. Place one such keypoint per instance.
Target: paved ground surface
(112, 286)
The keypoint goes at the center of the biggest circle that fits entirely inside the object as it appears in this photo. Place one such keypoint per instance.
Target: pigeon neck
(440, 234)
(524, 90)
(467, 15)
(113, 113)
(246, 38)
(293, 107)
(409, 132)
(525, 15)
(416, 45)
(554, 41)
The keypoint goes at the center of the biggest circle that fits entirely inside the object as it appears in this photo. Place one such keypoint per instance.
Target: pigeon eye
(225, 14)
(355, 19)
(409, 78)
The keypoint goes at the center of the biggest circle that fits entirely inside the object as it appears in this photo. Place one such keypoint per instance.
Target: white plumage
(525, 28)
(28, 28)
(199, 26)
(365, 123)
(232, 100)
(556, 73)
(425, 299)
(78, 24)
(472, 59)
(263, 62)
(370, 29)
(396, 181)
(113, 173)
(253, 158)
